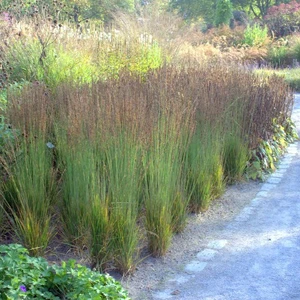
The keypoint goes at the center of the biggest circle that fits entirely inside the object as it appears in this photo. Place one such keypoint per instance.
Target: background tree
(194, 9)
(223, 12)
(74, 10)
(258, 8)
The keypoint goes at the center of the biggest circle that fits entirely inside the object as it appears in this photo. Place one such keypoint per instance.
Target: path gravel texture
(257, 254)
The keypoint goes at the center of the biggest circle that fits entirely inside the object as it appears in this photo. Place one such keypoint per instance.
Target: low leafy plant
(25, 277)
(265, 157)
(3, 100)
(263, 160)
(290, 130)
(7, 133)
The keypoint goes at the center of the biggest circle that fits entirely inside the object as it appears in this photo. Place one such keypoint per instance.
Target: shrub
(223, 37)
(294, 44)
(279, 55)
(31, 62)
(283, 19)
(25, 277)
(255, 35)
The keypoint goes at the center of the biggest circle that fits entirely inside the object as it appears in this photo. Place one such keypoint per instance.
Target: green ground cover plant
(25, 277)
(266, 156)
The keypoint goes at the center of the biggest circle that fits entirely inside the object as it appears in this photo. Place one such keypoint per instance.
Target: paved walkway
(257, 256)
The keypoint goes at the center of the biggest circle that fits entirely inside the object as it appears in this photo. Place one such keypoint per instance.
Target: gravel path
(245, 247)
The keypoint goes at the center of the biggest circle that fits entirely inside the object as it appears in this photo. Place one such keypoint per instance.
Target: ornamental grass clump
(30, 191)
(236, 152)
(30, 186)
(204, 167)
(182, 198)
(124, 179)
(236, 155)
(25, 277)
(78, 170)
(163, 202)
(100, 229)
(99, 223)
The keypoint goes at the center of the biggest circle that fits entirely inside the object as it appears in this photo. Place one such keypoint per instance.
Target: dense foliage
(223, 12)
(76, 11)
(25, 277)
(283, 20)
(192, 9)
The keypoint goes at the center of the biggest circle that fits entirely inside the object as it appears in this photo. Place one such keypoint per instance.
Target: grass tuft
(30, 191)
